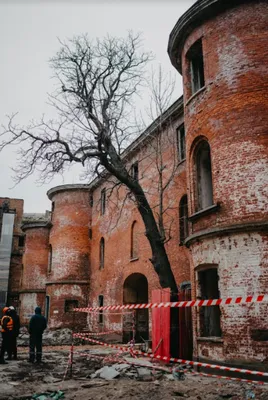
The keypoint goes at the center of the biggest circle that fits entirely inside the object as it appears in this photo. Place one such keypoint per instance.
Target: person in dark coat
(15, 332)
(7, 327)
(38, 324)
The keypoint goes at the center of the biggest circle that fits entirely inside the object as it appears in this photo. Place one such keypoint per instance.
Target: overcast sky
(28, 38)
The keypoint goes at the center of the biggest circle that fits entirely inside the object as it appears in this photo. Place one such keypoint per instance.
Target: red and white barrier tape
(229, 378)
(122, 360)
(98, 333)
(191, 303)
(169, 370)
(187, 362)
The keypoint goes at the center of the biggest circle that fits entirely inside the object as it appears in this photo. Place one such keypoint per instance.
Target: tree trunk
(159, 258)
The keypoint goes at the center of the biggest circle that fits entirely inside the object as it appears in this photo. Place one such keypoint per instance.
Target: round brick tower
(68, 265)
(34, 273)
(220, 48)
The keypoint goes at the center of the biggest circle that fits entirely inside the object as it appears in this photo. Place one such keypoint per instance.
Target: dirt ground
(20, 380)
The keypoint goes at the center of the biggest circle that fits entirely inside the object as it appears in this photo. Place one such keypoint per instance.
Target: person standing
(38, 324)
(7, 327)
(15, 332)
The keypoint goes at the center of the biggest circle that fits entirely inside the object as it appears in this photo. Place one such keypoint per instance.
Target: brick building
(214, 153)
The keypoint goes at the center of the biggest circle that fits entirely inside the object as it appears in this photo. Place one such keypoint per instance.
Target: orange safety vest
(9, 324)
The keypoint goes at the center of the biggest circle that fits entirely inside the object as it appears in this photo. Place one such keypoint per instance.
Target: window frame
(181, 148)
(103, 201)
(101, 253)
(195, 57)
(203, 313)
(135, 171)
(183, 219)
(101, 304)
(134, 249)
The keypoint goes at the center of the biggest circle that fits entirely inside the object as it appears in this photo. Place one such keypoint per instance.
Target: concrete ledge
(32, 291)
(246, 227)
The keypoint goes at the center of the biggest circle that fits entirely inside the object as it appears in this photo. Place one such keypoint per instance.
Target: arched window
(203, 176)
(183, 216)
(102, 250)
(134, 251)
(50, 259)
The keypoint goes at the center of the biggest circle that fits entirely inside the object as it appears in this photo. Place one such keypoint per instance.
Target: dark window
(103, 201)
(52, 206)
(102, 250)
(47, 305)
(101, 311)
(69, 305)
(181, 143)
(50, 259)
(90, 233)
(21, 241)
(91, 199)
(135, 171)
(134, 241)
(195, 57)
(204, 176)
(183, 215)
(210, 317)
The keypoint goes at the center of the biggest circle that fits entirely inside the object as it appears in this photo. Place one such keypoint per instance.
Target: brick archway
(135, 290)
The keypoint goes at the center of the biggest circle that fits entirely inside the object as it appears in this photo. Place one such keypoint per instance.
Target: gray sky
(28, 38)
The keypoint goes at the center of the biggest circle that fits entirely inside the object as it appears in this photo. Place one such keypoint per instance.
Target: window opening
(195, 57)
(21, 241)
(103, 201)
(91, 199)
(102, 250)
(135, 171)
(210, 317)
(50, 259)
(47, 305)
(183, 216)
(181, 143)
(69, 305)
(204, 176)
(101, 311)
(134, 252)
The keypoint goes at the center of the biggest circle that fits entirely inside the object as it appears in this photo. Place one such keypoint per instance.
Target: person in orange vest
(7, 327)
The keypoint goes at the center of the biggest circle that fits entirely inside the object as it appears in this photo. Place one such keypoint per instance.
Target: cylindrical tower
(68, 266)
(220, 48)
(34, 271)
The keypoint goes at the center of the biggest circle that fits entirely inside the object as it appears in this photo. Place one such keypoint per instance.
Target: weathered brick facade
(230, 112)
(95, 251)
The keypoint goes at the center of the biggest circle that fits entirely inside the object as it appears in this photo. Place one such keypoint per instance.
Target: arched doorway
(135, 291)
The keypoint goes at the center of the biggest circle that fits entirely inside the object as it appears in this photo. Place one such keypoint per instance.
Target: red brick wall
(115, 227)
(231, 112)
(70, 253)
(35, 261)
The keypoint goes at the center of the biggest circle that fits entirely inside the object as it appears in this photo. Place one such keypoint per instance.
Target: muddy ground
(20, 380)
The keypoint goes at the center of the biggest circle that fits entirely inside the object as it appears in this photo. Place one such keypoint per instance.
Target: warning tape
(122, 360)
(181, 361)
(98, 333)
(229, 378)
(107, 312)
(191, 303)
(169, 370)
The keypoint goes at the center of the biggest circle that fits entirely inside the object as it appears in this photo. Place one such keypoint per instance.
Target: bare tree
(98, 84)
(163, 142)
